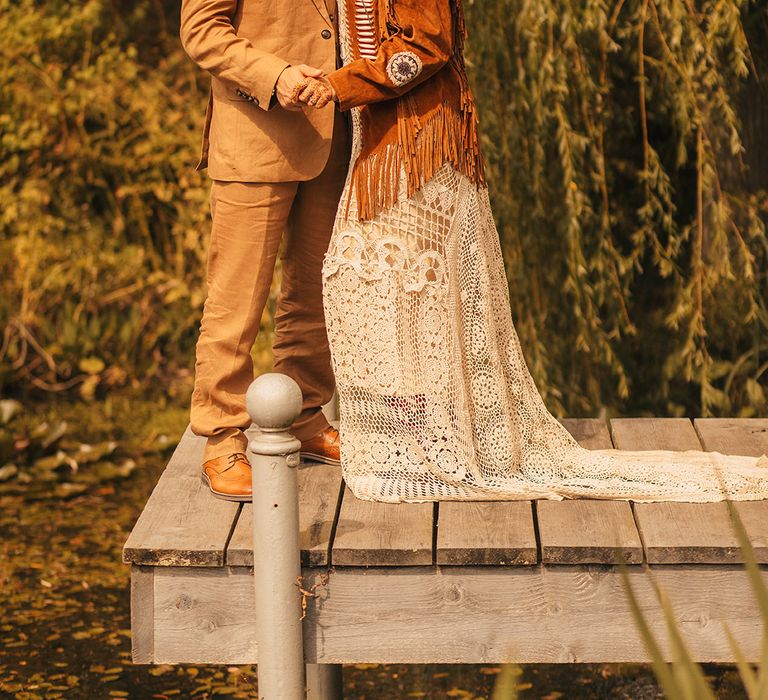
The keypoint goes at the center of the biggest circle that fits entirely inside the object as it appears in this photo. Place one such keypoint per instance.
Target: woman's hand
(290, 82)
(315, 92)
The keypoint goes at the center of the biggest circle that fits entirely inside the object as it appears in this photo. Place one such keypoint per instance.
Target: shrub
(636, 259)
(104, 221)
(633, 236)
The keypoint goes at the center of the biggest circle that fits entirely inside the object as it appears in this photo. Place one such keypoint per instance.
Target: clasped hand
(303, 85)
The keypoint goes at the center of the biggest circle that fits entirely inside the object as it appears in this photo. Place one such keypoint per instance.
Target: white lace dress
(436, 400)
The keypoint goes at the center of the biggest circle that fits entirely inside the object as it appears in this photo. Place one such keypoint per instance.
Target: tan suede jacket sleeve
(419, 43)
(210, 40)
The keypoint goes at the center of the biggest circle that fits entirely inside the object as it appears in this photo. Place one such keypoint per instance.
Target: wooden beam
(484, 614)
(319, 493)
(676, 533)
(557, 614)
(143, 614)
(588, 531)
(204, 615)
(182, 524)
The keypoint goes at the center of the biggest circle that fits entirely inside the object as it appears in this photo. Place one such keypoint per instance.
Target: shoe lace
(236, 457)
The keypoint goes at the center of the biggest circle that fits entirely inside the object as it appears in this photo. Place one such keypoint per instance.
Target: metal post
(324, 682)
(274, 401)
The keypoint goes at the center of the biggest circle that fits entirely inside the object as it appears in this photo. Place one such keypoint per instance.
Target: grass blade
(695, 685)
(660, 667)
(505, 687)
(760, 590)
(748, 677)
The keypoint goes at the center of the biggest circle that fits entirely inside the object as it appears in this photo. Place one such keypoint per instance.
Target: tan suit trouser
(248, 223)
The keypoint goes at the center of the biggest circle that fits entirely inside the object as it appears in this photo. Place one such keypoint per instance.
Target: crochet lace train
(436, 400)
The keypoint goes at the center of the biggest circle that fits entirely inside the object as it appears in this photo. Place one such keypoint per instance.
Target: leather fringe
(375, 181)
(446, 136)
(423, 146)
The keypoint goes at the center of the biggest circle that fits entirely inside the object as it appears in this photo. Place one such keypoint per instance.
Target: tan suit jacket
(245, 45)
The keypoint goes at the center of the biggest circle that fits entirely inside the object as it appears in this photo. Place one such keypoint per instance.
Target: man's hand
(289, 80)
(315, 92)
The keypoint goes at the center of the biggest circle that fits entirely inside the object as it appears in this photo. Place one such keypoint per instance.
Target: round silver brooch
(403, 67)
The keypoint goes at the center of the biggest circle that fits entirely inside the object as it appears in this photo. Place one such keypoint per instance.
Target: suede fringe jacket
(416, 110)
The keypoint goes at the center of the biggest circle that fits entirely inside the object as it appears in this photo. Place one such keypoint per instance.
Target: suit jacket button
(326, 34)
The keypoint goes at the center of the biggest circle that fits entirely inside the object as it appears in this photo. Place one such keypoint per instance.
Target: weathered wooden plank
(204, 615)
(182, 523)
(654, 434)
(591, 433)
(484, 614)
(591, 532)
(676, 532)
(524, 614)
(734, 436)
(583, 530)
(319, 494)
(479, 532)
(741, 436)
(370, 533)
(142, 614)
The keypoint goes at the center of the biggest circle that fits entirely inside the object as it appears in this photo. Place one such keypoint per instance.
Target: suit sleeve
(419, 44)
(210, 40)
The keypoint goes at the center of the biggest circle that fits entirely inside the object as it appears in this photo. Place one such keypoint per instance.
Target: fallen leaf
(8, 472)
(9, 408)
(91, 365)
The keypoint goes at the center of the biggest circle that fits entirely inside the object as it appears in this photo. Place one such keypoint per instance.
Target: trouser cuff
(306, 427)
(224, 445)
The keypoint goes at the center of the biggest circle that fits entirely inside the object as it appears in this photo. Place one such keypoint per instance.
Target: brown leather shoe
(229, 477)
(323, 447)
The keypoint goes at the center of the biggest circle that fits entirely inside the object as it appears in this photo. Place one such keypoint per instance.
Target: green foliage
(40, 460)
(637, 262)
(102, 225)
(635, 252)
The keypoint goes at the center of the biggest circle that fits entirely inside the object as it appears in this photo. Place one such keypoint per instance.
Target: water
(64, 599)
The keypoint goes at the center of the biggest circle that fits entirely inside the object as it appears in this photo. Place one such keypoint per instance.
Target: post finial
(274, 401)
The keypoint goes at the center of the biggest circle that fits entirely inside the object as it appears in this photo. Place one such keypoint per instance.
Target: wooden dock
(470, 582)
